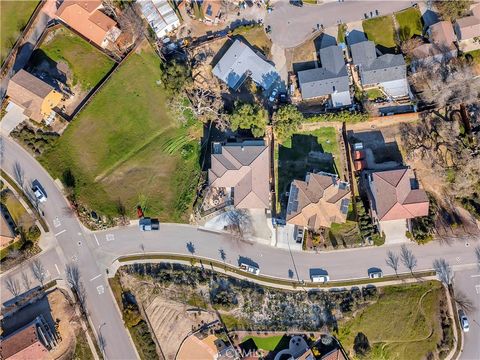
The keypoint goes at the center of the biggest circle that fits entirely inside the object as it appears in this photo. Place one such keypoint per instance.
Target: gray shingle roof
(375, 69)
(330, 78)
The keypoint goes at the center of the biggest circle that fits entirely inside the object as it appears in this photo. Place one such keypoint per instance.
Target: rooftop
(24, 344)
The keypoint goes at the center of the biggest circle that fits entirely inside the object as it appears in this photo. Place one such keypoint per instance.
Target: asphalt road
(468, 282)
(292, 25)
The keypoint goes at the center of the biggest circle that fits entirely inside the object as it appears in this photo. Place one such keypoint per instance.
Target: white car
(375, 274)
(273, 95)
(320, 278)
(250, 268)
(463, 321)
(39, 193)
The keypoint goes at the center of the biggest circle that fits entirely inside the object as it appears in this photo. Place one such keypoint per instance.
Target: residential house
(395, 198)
(441, 47)
(86, 18)
(387, 71)
(212, 11)
(330, 80)
(160, 16)
(319, 201)
(468, 31)
(242, 171)
(336, 354)
(241, 62)
(36, 97)
(32, 341)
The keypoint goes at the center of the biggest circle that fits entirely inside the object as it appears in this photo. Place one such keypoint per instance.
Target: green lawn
(344, 235)
(381, 31)
(372, 94)
(475, 54)
(342, 28)
(409, 23)
(18, 212)
(82, 349)
(125, 147)
(268, 343)
(14, 15)
(405, 319)
(88, 64)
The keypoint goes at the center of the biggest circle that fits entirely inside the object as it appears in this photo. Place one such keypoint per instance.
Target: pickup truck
(148, 224)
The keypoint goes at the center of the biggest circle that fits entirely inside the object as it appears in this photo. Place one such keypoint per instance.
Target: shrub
(33, 233)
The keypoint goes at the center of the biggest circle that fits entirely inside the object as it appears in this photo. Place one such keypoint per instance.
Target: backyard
(125, 149)
(87, 64)
(381, 31)
(409, 23)
(14, 15)
(406, 322)
(294, 156)
(269, 343)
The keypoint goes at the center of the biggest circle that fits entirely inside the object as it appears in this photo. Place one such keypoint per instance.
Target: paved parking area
(12, 118)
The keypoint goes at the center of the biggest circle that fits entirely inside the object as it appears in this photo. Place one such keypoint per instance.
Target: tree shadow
(191, 248)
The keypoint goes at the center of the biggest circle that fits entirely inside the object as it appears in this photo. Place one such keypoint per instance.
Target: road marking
(56, 267)
(60, 233)
(110, 237)
(477, 289)
(458, 258)
(98, 244)
(100, 289)
(475, 275)
(56, 222)
(95, 277)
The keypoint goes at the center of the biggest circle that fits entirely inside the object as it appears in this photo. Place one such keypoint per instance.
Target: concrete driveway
(12, 118)
(394, 231)
(292, 25)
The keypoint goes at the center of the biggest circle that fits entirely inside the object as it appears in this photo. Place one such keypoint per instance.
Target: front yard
(255, 35)
(409, 23)
(125, 149)
(381, 31)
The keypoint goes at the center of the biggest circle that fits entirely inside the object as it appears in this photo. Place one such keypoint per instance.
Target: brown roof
(395, 195)
(245, 167)
(336, 354)
(84, 17)
(442, 34)
(318, 201)
(28, 91)
(468, 27)
(211, 9)
(24, 345)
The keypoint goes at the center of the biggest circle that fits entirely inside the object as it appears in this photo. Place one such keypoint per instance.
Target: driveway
(394, 231)
(12, 118)
(292, 25)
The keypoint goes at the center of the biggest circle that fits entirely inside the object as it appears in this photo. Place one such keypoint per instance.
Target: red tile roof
(24, 345)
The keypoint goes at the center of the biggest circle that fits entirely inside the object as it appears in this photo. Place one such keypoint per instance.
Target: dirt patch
(301, 57)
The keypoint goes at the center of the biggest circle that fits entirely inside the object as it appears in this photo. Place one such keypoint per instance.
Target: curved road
(94, 252)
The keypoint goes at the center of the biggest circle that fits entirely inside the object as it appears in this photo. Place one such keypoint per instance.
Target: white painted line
(475, 275)
(56, 267)
(56, 222)
(95, 277)
(100, 289)
(98, 244)
(110, 237)
(61, 232)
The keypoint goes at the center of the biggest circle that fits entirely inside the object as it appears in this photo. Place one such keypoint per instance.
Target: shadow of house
(47, 69)
(382, 151)
(306, 65)
(324, 40)
(355, 36)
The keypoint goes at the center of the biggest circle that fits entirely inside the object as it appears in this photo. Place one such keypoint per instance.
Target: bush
(343, 116)
(33, 233)
(378, 239)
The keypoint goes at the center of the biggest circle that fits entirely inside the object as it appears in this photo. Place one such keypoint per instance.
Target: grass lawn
(125, 147)
(342, 28)
(232, 322)
(255, 35)
(344, 235)
(293, 160)
(268, 343)
(475, 54)
(409, 23)
(405, 319)
(82, 349)
(18, 212)
(381, 31)
(14, 15)
(372, 94)
(88, 64)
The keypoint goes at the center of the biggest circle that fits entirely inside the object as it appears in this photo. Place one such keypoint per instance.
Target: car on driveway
(38, 191)
(463, 321)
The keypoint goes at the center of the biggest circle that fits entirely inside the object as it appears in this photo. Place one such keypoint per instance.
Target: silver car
(39, 193)
(463, 321)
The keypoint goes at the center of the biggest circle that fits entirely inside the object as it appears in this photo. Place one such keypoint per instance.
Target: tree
(12, 285)
(238, 223)
(361, 344)
(26, 281)
(392, 261)
(249, 117)
(175, 76)
(463, 302)
(286, 121)
(452, 9)
(204, 104)
(407, 46)
(38, 271)
(122, 211)
(444, 271)
(73, 279)
(408, 259)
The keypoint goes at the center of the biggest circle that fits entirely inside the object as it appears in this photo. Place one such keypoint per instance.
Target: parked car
(148, 224)
(375, 274)
(463, 321)
(320, 278)
(250, 268)
(273, 95)
(38, 191)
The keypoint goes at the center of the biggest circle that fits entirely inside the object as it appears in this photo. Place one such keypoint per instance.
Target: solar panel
(344, 206)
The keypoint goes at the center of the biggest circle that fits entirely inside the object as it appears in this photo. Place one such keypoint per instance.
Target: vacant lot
(405, 322)
(125, 148)
(14, 15)
(380, 30)
(255, 35)
(295, 158)
(409, 23)
(87, 64)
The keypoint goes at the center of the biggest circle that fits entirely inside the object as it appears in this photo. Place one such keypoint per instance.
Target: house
(160, 16)
(317, 202)
(386, 71)
(32, 341)
(240, 62)
(329, 80)
(441, 47)
(36, 97)
(212, 11)
(395, 198)
(336, 354)
(86, 18)
(242, 171)
(467, 30)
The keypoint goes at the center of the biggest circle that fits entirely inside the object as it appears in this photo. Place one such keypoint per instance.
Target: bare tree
(12, 285)
(407, 46)
(26, 281)
(463, 302)
(38, 271)
(18, 174)
(392, 261)
(408, 259)
(444, 271)
(122, 211)
(238, 222)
